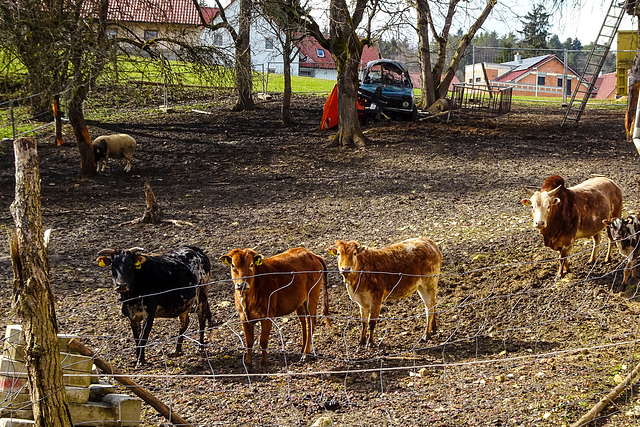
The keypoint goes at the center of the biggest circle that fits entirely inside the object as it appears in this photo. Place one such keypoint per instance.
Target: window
(268, 44)
(320, 53)
(470, 80)
(150, 35)
(477, 79)
(541, 80)
(217, 40)
(112, 33)
(568, 89)
(559, 81)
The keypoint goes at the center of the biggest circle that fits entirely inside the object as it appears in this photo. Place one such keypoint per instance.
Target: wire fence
(531, 351)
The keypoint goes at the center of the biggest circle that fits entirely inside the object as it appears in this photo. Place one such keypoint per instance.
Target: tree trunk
(347, 51)
(243, 77)
(349, 131)
(286, 96)
(632, 100)
(428, 96)
(81, 132)
(32, 298)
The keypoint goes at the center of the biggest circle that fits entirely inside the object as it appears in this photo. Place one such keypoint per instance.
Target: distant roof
(157, 11)
(606, 86)
(315, 56)
(415, 79)
(524, 65)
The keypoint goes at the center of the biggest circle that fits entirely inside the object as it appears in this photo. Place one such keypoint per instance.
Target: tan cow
(373, 276)
(565, 214)
(270, 287)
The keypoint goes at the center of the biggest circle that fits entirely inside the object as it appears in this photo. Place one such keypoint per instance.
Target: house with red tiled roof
(316, 61)
(311, 59)
(156, 19)
(540, 76)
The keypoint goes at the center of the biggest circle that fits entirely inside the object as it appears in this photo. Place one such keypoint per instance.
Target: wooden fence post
(32, 299)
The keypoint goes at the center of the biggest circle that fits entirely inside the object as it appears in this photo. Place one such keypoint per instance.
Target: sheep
(118, 146)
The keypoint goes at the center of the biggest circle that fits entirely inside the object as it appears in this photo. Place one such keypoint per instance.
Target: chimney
(518, 58)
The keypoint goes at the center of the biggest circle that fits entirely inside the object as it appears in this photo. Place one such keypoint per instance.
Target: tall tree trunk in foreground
(346, 49)
(32, 298)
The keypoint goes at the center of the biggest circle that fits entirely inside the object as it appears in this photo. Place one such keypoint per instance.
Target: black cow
(166, 285)
(625, 232)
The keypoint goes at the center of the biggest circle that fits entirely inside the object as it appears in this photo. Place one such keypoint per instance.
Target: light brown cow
(373, 276)
(565, 214)
(270, 287)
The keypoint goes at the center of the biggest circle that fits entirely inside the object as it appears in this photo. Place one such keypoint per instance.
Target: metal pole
(12, 119)
(564, 79)
(266, 86)
(473, 65)
(166, 101)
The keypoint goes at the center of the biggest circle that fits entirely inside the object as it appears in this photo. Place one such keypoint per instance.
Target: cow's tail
(325, 294)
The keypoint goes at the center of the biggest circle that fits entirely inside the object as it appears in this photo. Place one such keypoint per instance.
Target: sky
(583, 23)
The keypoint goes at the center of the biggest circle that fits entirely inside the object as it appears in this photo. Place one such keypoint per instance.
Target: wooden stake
(136, 388)
(608, 399)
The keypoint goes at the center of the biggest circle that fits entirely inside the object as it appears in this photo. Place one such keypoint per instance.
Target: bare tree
(241, 39)
(345, 45)
(434, 84)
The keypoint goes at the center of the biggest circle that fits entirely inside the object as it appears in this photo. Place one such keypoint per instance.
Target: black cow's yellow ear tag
(101, 262)
(137, 265)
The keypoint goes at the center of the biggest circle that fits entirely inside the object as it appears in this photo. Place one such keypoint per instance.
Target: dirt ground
(514, 346)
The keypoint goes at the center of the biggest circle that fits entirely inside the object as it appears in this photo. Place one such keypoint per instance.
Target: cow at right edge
(565, 214)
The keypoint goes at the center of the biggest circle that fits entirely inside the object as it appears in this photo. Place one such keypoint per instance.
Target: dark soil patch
(514, 346)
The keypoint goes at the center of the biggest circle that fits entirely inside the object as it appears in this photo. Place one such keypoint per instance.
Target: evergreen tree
(535, 33)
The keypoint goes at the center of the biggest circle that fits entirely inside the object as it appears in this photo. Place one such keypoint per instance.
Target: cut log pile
(91, 402)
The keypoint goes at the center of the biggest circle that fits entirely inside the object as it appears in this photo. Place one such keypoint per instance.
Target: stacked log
(90, 402)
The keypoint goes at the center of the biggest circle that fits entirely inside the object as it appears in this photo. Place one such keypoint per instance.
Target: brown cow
(397, 271)
(565, 214)
(270, 287)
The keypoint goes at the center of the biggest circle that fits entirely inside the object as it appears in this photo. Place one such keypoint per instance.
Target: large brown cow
(397, 271)
(270, 287)
(565, 214)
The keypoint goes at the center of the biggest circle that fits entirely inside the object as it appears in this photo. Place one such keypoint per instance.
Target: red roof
(209, 13)
(315, 56)
(158, 11)
(606, 86)
(415, 79)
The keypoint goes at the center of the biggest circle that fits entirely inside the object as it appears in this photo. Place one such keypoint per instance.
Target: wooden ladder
(594, 63)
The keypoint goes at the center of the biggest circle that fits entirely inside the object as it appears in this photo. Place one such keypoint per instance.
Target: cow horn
(107, 252)
(529, 192)
(134, 250)
(554, 191)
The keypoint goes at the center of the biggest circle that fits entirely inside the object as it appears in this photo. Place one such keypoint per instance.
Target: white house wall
(262, 59)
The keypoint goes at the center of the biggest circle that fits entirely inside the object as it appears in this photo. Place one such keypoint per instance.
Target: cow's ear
(140, 259)
(333, 251)
(526, 202)
(555, 201)
(257, 260)
(226, 259)
(103, 261)
(606, 222)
